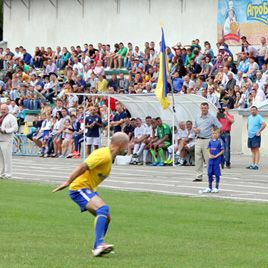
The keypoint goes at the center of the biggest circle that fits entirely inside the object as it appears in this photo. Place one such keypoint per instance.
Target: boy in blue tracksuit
(215, 152)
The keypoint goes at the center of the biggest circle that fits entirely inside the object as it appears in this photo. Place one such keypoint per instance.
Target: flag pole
(173, 122)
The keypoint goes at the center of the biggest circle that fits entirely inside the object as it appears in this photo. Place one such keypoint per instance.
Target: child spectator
(215, 152)
(67, 136)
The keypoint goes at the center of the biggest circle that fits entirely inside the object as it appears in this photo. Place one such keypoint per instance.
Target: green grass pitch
(40, 229)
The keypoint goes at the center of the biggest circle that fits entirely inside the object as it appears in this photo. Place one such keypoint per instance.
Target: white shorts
(190, 145)
(93, 141)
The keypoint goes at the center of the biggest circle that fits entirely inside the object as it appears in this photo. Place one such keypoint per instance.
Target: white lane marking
(184, 194)
(182, 186)
(153, 183)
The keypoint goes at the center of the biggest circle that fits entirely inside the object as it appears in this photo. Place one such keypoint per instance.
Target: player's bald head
(119, 138)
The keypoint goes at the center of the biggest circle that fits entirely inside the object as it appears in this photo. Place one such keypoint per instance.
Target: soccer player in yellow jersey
(83, 182)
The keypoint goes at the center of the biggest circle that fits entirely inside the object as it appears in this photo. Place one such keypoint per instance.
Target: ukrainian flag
(161, 90)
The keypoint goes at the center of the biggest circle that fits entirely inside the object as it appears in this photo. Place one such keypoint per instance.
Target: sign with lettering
(237, 18)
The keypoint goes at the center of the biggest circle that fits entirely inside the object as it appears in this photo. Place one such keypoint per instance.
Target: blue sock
(100, 224)
(210, 180)
(217, 181)
(106, 225)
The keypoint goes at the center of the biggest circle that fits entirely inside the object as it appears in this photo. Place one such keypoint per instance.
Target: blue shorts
(214, 170)
(254, 142)
(82, 197)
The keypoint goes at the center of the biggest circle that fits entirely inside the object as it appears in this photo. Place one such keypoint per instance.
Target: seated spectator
(13, 108)
(186, 144)
(172, 148)
(206, 67)
(177, 82)
(99, 69)
(38, 58)
(138, 142)
(160, 143)
(113, 82)
(102, 85)
(231, 82)
(262, 52)
(119, 57)
(212, 96)
(194, 67)
(26, 57)
(257, 95)
(43, 134)
(123, 83)
(129, 127)
(50, 68)
(244, 63)
(252, 69)
(67, 135)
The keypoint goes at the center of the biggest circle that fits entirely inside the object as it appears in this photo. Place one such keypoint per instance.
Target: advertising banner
(237, 18)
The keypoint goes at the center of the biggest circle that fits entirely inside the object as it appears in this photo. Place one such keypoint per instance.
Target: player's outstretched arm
(61, 187)
(76, 173)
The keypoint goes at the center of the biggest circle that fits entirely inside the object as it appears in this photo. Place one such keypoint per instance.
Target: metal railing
(23, 146)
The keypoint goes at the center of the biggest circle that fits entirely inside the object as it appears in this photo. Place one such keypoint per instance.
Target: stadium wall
(33, 23)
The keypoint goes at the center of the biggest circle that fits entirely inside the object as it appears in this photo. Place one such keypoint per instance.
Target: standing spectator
(203, 127)
(226, 120)
(93, 124)
(255, 126)
(8, 126)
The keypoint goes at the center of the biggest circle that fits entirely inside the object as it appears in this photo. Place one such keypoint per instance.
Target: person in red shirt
(226, 120)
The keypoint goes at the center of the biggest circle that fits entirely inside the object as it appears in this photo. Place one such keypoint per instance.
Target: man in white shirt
(13, 107)
(78, 65)
(187, 143)
(260, 80)
(257, 94)
(8, 126)
(239, 79)
(212, 97)
(262, 52)
(18, 54)
(139, 137)
(149, 133)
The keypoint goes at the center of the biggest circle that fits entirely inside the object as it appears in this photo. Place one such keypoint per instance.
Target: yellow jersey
(99, 164)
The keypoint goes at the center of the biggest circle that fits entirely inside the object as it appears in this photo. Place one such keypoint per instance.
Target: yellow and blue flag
(161, 90)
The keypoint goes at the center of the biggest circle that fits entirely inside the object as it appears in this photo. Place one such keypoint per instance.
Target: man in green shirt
(160, 142)
(120, 56)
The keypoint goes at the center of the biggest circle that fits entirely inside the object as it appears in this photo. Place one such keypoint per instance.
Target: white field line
(184, 194)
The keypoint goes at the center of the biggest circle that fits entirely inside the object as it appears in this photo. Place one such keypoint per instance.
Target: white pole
(84, 151)
(109, 107)
(173, 139)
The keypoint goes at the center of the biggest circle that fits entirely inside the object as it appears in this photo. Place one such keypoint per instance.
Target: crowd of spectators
(47, 78)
